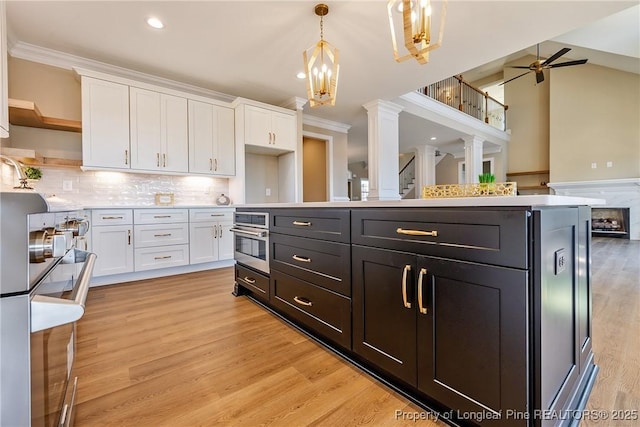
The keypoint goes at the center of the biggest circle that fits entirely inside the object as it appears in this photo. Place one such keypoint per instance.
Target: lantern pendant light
(321, 67)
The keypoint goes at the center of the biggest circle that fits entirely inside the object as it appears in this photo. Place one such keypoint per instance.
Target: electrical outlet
(594, 166)
(561, 261)
(609, 164)
(267, 192)
(67, 185)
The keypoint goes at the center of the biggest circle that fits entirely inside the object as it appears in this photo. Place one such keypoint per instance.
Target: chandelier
(412, 22)
(321, 67)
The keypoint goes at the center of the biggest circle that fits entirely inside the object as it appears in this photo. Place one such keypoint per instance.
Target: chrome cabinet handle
(407, 269)
(164, 160)
(302, 301)
(302, 223)
(158, 159)
(162, 257)
(162, 216)
(270, 138)
(301, 259)
(274, 138)
(215, 164)
(215, 232)
(433, 233)
(126, 157)
(423, 309)
(162, 235)
(249, 280)
(210, 164)
(112, 217)
(129, 237)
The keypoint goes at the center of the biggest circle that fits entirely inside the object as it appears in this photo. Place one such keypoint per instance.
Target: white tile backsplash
(100, 188)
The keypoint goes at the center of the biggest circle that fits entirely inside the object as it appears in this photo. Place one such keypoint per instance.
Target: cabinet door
(225, 240)
(146, 148)
(384, 316)
(257, 126)
(283, 128)
(4, 91)
(174, 134)
(225, 149)
(472, 336)
(203, 242)
(114, 247)
(211, 139)
(105, 124)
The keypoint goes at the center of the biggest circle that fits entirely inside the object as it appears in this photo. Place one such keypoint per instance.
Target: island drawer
(256, 283)
(497, 237)
(323, 224)
(160, 216)
(322, 263)
(326, 312)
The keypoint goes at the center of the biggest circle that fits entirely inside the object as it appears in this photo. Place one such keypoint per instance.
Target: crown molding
(325, 124)
(68, 61)
(294, 103)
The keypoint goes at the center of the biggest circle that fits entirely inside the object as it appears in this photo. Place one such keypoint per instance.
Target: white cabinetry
(269, 128)
(210, 238)
(112, 241)
(105, 124)
(211, 139)
(161, 237)
(4, 91)
(159, 130)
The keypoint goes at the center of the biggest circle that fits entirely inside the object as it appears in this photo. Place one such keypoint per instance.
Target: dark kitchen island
(476, 308)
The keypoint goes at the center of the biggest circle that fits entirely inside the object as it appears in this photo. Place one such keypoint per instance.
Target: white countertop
(503, 201)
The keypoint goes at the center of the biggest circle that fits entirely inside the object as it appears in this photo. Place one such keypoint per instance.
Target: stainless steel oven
(251, 240)
(45, 280)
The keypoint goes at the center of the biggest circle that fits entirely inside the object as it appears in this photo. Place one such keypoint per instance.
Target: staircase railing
(457, 93)
(407, 174)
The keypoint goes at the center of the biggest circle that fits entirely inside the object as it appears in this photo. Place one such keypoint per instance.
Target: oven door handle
(249, 233)
(48, 312)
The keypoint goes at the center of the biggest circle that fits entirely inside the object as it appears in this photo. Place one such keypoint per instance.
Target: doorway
(314, 170)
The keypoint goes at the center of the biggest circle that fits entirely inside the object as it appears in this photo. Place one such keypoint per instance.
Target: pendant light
(321, 67)
(412, 21)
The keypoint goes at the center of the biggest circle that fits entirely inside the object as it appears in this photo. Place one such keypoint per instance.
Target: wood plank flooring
(182, 351)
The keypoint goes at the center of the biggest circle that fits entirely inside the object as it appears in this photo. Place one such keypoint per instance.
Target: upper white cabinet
(4, 91)
(268, 128)
(211, 139)
(105, 124)
(159, 131)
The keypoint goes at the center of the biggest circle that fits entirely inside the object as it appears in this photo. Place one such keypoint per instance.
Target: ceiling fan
(542, 64)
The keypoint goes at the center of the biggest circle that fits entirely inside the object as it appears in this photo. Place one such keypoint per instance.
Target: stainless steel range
(44, 280)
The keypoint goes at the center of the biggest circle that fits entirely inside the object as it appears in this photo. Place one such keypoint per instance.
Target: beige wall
(447, 170)
(261, 173)
(340, 169)
(595, 118)
(528, 119)
(314, 170)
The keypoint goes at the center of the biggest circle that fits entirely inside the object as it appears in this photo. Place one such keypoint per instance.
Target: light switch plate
(67, 185)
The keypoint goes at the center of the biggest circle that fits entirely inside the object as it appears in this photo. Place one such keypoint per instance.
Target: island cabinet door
(472, 339)
(384, 316)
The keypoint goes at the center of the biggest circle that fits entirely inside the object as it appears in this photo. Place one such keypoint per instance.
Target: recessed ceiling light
(301, 75)
(155, 23)
(433, 138)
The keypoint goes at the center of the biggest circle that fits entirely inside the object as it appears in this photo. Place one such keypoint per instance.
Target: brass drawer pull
(301, 301)
(249, 280)
(301, 259)
(407, 269)
(162, 257)
(302, 223)
(162, 235)
(423, 309)
(433, 233)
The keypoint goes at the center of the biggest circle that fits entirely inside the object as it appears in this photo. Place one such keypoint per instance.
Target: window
(487, 167)
(364, 189)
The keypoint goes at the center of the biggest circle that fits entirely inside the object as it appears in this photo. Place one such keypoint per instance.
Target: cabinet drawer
(161, 257)
(326, 312)
(160, 216)
(324, 224)
(161, 235)
(111, 217)
(496, 237)
(257, 283)
(208, 215)
(327, 264)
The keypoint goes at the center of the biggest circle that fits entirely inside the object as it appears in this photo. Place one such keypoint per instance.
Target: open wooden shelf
(31, 158)
(527, 173)
(26, 113)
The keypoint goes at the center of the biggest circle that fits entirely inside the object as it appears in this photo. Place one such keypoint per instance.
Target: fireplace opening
(610, 222)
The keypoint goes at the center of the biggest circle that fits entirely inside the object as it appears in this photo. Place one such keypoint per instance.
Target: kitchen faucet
(18, 167)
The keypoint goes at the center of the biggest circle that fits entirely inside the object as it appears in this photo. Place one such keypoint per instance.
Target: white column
(383, 149)
(425, 167)
(473, 158)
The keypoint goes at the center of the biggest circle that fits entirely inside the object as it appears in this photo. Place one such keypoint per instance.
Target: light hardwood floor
(182, 351)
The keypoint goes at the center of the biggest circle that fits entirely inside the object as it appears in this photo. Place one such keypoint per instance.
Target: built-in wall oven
(251, 239)
(44, 284)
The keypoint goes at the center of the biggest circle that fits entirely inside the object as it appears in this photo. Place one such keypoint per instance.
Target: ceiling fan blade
(539, 77)
(556, 55)
(569, 63)
(524, 67)
(516, 77)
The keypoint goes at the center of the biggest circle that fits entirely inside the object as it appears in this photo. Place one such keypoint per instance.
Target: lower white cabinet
(210, 238)
(161, 257)
(112, 241)
(150, 235)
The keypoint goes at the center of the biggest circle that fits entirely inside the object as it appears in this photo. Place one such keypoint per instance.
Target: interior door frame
(329, 162)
